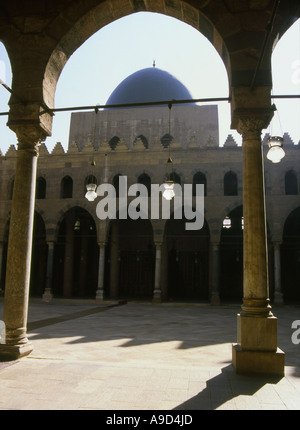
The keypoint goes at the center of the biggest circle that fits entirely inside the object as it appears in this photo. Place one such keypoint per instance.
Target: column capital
(29, 138)
(250, 123)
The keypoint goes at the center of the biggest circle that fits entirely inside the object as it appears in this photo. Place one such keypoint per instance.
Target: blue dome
(149, 85)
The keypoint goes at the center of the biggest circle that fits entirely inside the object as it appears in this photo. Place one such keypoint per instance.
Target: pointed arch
(66, 188)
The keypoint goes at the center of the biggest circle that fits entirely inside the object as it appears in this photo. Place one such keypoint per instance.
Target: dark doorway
(38, 258)
(290, 258)
(231, 256)
(76, 256)
(130, 260)
(187, 255)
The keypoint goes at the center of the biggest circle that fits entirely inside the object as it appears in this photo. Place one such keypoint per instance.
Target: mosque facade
(77, 255)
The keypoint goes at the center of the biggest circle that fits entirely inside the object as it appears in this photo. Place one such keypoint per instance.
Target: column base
(14, 352)
(215, 299)
(156, 296)
(99, 295)
(47, 296)
(257, 362)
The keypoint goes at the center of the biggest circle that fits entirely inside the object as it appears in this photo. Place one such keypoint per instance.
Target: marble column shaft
(47, 296)
(20, 246)
(255, 279)
(256, 350)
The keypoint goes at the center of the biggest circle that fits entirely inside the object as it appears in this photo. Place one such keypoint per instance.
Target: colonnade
(256, 348)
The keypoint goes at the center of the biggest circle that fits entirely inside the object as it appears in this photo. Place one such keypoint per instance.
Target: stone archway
(186, 256)
(76, 256)
(96, 17)
(40, 44)
(130, 260)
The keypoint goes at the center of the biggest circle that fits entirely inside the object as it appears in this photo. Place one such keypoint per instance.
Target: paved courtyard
(142, 357)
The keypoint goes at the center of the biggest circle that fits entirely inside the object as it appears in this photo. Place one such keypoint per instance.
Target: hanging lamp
(169, 192)
(91, 186)
(275, 143)
(276, 152)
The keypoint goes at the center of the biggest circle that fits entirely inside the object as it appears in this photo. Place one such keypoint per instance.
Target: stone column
(47, 296)
(69, 256)
(278, 298)
(20, 245)
(256, 349)
(157, 286)
(100, 287)
(215, 269)
(83, 264)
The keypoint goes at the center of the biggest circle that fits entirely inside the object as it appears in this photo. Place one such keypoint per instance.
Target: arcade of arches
(39, 38)
(129, 270)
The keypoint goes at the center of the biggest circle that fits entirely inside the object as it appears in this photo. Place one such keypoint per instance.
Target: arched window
(66, 188)
(40, 188)
(291, 183)
(230, 184)
(145, 180)
(199, 178)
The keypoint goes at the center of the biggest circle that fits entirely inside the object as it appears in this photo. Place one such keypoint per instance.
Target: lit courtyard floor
(143, 357)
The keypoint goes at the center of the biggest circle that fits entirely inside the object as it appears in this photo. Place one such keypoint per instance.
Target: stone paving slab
(142, 357)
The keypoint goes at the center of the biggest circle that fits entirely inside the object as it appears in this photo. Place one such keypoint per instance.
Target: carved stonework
(29, 137)
(250, 127)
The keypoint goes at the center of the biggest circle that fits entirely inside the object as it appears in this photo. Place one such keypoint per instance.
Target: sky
(133, 43)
